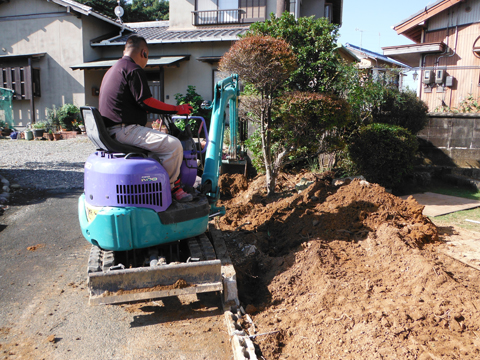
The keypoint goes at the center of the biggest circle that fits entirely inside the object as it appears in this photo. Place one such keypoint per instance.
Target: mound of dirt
(321, 211)
(347, 273)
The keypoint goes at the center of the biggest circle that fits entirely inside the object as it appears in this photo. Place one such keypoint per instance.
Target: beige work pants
(168, 149)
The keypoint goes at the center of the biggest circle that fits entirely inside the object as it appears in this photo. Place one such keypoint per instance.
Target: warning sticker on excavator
(92, 211)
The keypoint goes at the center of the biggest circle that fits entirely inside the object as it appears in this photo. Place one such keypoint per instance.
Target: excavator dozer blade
(119, 286)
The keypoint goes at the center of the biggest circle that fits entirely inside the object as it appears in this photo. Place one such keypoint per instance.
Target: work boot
(179, 194)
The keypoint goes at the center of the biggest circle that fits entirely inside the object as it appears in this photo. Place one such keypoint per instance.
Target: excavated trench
(349, 272)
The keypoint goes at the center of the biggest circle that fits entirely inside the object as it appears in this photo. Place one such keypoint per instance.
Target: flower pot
(68, 134)
(38, 132)
(57, 136)
(28, 135)
(50, 137)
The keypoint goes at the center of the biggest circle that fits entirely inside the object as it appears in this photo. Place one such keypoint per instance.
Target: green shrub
(39, 125)
(194, 99)
(402, 109)
(67, 114)
(383, 153)
(52, 116)
(254, 144)
(304, 125)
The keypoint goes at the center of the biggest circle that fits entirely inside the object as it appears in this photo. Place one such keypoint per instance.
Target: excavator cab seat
(98, 134)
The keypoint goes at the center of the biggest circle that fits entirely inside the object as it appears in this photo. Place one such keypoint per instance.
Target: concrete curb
(242, 345)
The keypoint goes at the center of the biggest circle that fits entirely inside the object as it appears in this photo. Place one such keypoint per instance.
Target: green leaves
(195, 100)
(313, 41)
(383, 153)
(136, 10)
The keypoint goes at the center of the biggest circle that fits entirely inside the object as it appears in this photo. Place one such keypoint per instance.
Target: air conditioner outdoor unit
(428, 77)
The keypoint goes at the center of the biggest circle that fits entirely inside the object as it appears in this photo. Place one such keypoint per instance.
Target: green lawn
(457, 218)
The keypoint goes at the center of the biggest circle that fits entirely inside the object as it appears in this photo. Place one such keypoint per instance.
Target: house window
(293, 5)
(216, 12)
(328, 12)
(25, 81)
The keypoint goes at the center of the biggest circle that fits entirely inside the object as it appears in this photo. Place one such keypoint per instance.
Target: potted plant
(158, 125)
(38, 129)
(67, 114)
(77, 126)
(52, 118)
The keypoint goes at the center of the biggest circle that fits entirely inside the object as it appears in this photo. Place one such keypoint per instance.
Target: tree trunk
(269, 171)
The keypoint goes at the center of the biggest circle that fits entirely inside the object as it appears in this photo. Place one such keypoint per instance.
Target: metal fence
(218, 17)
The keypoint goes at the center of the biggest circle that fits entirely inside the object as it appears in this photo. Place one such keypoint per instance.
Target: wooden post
(32, 102)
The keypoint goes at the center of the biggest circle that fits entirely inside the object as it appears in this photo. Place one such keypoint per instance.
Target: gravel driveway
(45, 164)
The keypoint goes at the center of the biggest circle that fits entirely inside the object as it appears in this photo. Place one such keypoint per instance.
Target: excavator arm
(225, 94)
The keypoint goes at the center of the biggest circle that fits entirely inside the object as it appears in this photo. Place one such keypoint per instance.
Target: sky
(368, 23)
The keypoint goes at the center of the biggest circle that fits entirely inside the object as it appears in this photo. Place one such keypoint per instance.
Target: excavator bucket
(206, 268)
(125, 285)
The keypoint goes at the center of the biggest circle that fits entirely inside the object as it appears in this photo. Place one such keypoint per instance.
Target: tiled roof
(157, 32)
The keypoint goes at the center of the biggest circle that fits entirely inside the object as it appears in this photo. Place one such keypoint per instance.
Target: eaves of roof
(157, 32)
(87, 10)
(410, 27)
(152, 62)
(348, 53)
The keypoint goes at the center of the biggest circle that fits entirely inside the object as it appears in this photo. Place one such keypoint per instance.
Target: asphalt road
(44, 312)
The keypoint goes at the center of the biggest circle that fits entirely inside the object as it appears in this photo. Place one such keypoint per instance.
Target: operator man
(124, 101)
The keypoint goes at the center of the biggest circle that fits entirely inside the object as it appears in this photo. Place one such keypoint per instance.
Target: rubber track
(95, 260)
(201, 248)
(108, 260)
(207, 247)
(101, 260)
(195, 249)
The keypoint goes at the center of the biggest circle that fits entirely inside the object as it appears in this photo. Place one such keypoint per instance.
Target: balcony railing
(218, 17)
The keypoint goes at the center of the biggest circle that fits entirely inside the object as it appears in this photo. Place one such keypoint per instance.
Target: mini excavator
(146, 245)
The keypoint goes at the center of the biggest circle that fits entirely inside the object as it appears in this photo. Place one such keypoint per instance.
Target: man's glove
(184, 109)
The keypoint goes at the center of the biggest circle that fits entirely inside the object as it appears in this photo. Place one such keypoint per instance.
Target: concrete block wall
(452, 140)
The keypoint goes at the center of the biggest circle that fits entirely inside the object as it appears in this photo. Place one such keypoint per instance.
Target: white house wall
(93, 28)
(38, 26)
(176, 78)
(181, 14)
(60, 37)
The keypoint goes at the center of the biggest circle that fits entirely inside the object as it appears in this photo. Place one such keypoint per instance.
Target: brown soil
(179, 284)
(347, 273)
(35, 247)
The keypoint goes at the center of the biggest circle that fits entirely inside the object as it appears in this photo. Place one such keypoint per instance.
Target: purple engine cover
(117, 181)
